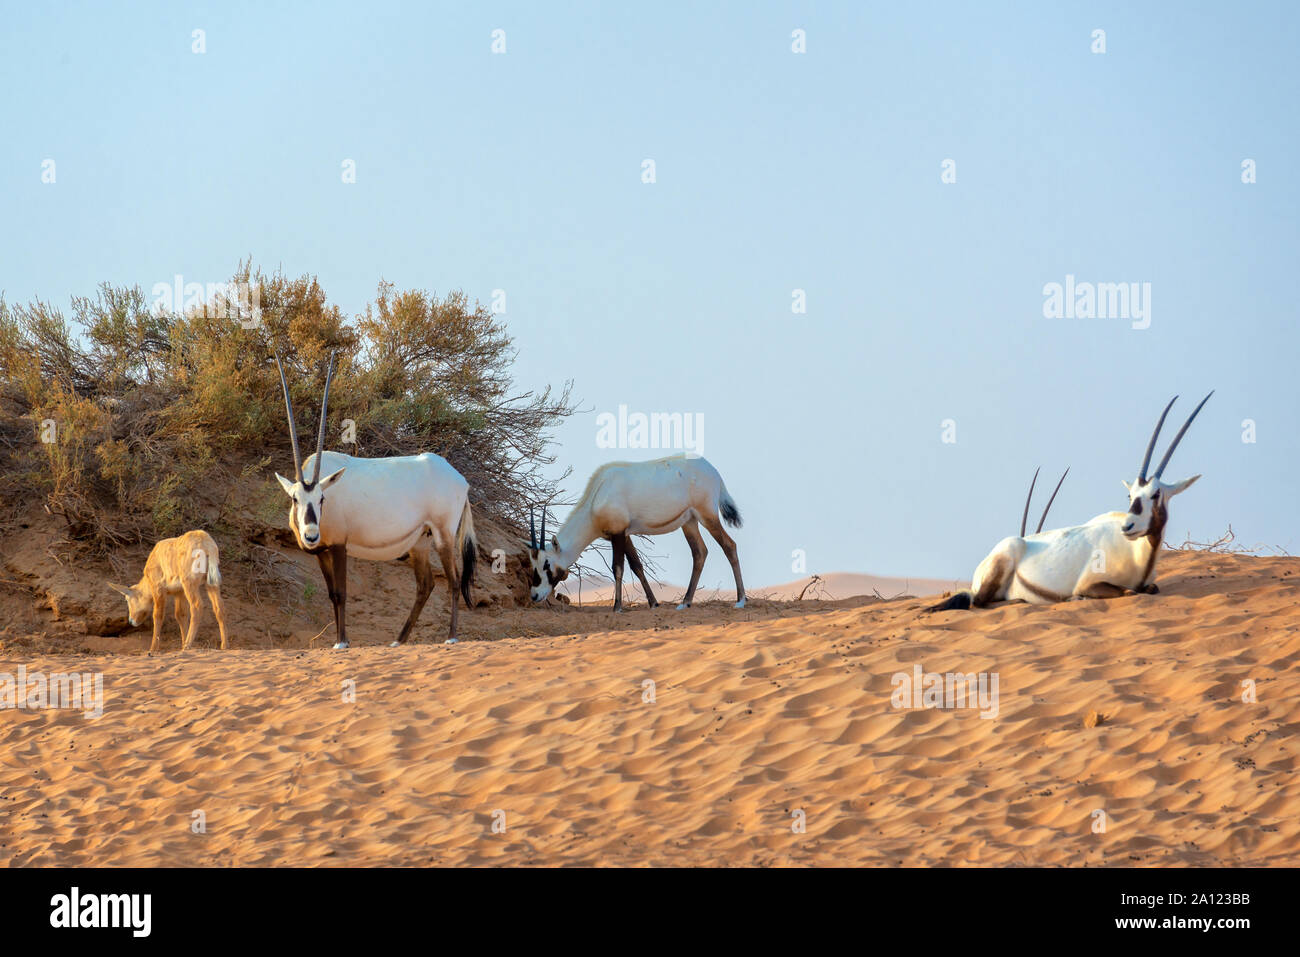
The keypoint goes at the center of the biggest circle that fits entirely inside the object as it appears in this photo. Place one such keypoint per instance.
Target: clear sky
(775, 171)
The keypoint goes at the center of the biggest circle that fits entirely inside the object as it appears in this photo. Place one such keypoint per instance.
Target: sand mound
(552, 749)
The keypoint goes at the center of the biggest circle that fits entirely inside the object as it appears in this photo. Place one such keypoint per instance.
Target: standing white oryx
(623, 499)
(384, 509)
(1112, 554)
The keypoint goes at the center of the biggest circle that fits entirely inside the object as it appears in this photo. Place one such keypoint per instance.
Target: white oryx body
(1054, 566)
(382, 507)
(1110, 555)
(623, 499)
(379, 509)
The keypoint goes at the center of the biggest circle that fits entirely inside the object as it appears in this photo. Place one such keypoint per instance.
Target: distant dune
(833, 586)
(1137, 731)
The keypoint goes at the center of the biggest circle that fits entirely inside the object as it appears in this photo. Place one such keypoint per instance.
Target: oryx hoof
(683, 606)
(1152, 589)
(340, 645)
(395, 644)
(740, 604)
(452, 641)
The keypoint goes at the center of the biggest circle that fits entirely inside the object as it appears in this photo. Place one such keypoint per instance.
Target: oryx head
(1148, 498)
(308, 496)
(543, 557)
(139, 603)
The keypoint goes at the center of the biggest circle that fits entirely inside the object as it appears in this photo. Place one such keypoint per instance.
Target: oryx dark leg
(334, 566)
(619, 542)
(699, 551)
(634, 560)
(1102, 590)
(729, 549)
(447, 555)
(419, 557)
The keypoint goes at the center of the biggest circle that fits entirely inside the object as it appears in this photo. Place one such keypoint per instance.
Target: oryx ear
(330, 479)
(1128, 488)
(555, 543)
(285, 484)
(1179, 487)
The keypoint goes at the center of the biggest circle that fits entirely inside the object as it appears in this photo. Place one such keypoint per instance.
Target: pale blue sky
(775, 171)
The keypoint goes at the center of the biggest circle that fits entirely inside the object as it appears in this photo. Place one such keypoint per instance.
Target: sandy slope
(757, 713)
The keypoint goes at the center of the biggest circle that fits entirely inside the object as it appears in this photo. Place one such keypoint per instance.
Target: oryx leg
(214, 596)
(1101, 590)
(159, 610)
(195, 601)
(619, 542)
(699, 551)
(334, 566)
(634, 560)
(420, 564)
(729, 549)
(447, 555)
(176, 613)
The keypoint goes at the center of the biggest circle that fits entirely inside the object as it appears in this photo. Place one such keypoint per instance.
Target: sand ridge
(1129, 706)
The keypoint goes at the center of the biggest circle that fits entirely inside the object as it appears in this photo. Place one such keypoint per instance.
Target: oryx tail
(467, 545)
(727, 508)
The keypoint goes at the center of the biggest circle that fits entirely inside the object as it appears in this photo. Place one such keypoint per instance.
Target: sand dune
(1131, 707)
(832, 586)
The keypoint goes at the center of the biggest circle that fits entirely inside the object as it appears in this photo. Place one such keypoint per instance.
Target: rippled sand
(548, 749)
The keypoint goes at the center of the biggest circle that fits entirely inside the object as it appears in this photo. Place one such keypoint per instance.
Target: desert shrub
(167, 420)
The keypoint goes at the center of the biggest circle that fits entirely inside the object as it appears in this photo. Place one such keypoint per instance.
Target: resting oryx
(178, 567)
(384, 509)
(623, 499)
(1112, 554)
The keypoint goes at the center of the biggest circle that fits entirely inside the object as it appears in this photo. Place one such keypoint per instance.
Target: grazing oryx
(178, 567)
(1110, 555)
(623, 499)
(384, 509)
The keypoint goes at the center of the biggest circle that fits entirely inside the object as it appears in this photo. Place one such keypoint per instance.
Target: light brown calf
(177, 567)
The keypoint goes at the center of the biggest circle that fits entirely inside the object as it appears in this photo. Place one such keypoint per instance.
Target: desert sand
(542, 747)
(830, 587)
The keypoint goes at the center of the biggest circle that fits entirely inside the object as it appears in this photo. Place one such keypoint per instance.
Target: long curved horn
(1151, 446)
(293, 431)
(532, 525)
(1050, 501)
(1160, 469)
(320, 433)
(1024, 517)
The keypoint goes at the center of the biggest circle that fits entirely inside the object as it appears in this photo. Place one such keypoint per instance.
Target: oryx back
(655, 497)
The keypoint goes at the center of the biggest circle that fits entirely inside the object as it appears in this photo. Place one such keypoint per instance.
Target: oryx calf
(178, 567)
(1112, 554)
(382, 509)
(623, 499)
